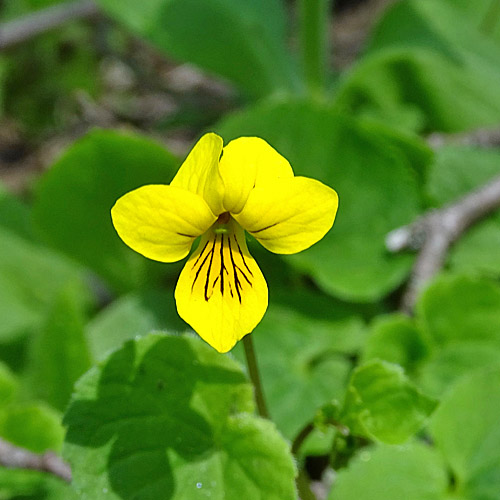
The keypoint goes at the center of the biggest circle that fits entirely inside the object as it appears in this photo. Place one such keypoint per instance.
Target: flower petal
(290, 215)
(221, 292)
(246, 163)
(200, 172)
(160, 221)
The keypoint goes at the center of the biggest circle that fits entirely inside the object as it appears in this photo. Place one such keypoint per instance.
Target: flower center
(223, 224)
(223, 218)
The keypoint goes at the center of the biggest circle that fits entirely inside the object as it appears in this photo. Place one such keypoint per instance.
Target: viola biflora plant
(218, 194)
(396, 406)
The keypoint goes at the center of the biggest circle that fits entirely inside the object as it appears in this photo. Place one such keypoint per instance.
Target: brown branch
(18, 458)
(434, 233)
(482, 137)
(31, 25)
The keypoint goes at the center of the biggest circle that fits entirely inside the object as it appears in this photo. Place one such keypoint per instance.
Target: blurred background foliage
(354, 94)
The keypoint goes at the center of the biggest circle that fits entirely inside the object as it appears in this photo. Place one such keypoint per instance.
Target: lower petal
(221, 291)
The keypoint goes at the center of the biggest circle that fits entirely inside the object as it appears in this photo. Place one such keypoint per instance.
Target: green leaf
(20, 484)
(8, 385)
(74, 199)
(351, 262)
(456, 171)
(395, 338)
(302, 358)
(382, 404)
(396, 80)
(15, 216)
(168, 417)
(131, 316)
(410, 472)
(465, 427)
(46, 70)
(30, 277)
(454, 360)
(34, 426)
(481, 14)
(459, 308)
(461, 317)
(59, 353)
(241, 40)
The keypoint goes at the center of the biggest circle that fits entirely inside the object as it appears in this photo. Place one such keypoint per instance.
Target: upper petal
(221, 292)
(246, 163)
(200, 172)
(161, 222)
(290, 215)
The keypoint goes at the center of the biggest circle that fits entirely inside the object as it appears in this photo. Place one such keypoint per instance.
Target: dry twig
(434, 233)
(483, 137)
(18, 31)
(18, 458)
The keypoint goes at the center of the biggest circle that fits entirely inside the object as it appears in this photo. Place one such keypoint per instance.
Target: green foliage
(459, 309)
(130, 316)
(173, 409)
(330, 147)
(413, 472)
(33, 426)
(397, 339)
(456, 330)
(382, 404)
(8, 385)
(46, 71)
(228, 37)
(30, 277)
(401, 407)
(465, 428)
(461, 316)
(59, 354)
(426, 68)
(94, 173)
(456, 171)
(20, 484)
(303, 358)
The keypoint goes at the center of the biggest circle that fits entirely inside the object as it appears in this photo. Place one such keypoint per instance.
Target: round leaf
(371, 175)
(74, 199)
(411, 472)
(382, 404)
(168, 417)
(465, 427)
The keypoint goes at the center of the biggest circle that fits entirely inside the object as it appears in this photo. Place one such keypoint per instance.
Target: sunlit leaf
(172, 409)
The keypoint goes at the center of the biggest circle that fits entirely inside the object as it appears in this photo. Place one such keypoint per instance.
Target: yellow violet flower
(217, 194)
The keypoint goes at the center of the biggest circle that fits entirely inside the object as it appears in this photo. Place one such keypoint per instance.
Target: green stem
(301, 437)
(313, 19)
(491, 18)
(253, 371)
(302, 482)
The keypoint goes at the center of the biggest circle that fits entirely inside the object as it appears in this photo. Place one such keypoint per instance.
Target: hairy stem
(253, 371)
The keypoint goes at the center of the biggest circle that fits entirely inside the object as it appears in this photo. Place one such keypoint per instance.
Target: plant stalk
(253, 371)
(313, 34)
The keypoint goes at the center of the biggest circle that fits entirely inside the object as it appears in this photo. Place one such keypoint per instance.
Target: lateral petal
(160, 221)
(200, 172)
(246, 163)
(221, 291)
(291, 215)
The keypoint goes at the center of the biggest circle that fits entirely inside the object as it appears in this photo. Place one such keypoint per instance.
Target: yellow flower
(217, 194)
